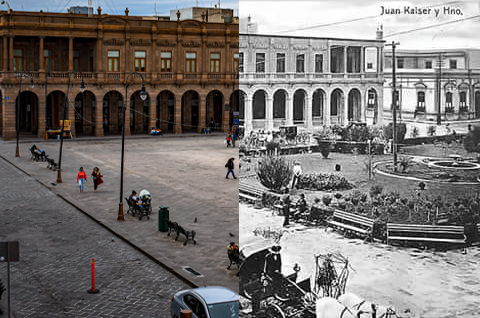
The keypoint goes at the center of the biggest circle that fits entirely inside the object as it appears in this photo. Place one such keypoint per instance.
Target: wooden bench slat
(347, 226)
(426, 239)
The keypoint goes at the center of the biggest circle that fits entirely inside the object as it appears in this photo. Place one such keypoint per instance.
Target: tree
(472, 140)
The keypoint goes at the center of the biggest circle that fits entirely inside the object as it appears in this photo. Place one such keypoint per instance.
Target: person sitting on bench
(133, 198)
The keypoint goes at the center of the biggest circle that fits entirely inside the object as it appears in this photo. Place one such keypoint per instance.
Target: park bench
(352, 223)
(249, 192)
(136, 209)
(178, 229)
(278, 206)
(425, 234)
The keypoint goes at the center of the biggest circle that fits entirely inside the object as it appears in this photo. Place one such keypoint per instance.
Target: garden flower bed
(324, 182)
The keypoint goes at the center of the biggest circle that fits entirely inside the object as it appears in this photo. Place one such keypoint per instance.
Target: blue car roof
(216, 294)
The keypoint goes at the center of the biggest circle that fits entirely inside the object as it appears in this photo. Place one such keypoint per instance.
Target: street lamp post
(17, 152)
(143, 96)
(82, 89)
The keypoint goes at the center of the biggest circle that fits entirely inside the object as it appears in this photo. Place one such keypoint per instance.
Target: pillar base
(17, 152)
(120, 212)
(59, 175)
(93, 291)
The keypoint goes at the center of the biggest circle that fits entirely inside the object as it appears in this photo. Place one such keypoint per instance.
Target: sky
(137, 7)
(281, 17)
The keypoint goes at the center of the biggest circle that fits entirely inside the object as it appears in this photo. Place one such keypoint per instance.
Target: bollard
(185, 313)
(93, 290)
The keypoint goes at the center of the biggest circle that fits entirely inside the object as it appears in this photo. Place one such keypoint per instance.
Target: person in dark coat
(230, 166)
(286, 208)
(97, 178)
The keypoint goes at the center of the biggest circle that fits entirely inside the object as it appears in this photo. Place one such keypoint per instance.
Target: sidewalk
(186, 174)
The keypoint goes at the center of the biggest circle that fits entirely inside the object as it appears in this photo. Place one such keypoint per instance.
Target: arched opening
(317, 107)
(234, 108)
(139, 110)
(241, 107)
(279, 104)
(165, 111)
(336, 106)
(112, 104)
(354, 105)
(214, 108)
(372, 103)
(84, 112)
(259, 104)
(190, 110)
(28, 118)
(55, 103)
(299, 106)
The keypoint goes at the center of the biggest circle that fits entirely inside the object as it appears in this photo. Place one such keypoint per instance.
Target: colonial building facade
(309, 81)
(188, 66)
(434, 85)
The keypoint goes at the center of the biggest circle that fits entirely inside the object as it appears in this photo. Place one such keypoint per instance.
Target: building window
(76, 60)
(18, 60)
(166, 61)
(369, 66)
(139, 61)
(114, 61)
(421, 101)
(372, 98)
(191, 61)
(214, 62)
(47, 61)
(400, 63)
(280, 62)
(318, 63)
(236, 63)
(301, 63)
(240, 61)
(260, 63)
(453, 64)
(463, 107)
(448, 102)
(428, 64)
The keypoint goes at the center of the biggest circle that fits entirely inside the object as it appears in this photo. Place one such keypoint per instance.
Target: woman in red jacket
(81, 178)
(97, 178)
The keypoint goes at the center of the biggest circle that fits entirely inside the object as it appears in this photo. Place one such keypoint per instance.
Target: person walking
(81, 178)
(230, 166)
(97, 178)
(228, 139)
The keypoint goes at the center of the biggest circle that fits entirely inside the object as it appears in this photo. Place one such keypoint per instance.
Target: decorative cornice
(280, 47)
(140, 42)
(216, 44)
(235, 45)
(166, 43)
(113, 42)
(319, 48)
(299, 47)
(113, 21)
(242, 44)
(191, 44)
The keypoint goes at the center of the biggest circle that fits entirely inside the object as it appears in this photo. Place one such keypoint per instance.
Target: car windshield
(224, 310)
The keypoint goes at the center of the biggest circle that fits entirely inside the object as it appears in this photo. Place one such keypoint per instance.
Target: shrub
(472, 140)
(401, 131)
(274, 173)
(323, 182)
(405, 163)
(325, 148)
(326, 199)
(376, 190)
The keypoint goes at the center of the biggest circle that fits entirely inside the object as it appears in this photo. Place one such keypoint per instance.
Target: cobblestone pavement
(185, 173)
(57, 243)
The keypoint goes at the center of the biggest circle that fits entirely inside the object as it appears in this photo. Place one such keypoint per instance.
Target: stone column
(127, 114)
(41, 116)
(10, 54)
(202, 109)
(326, 110)
(70, 55)
(289, 114)
(269, 114)
(152, 112)
(127, 55)
(204, 70)
(179, 61)
(153, 58)
(5, 54)
(9, 119)
(308, 112)
(248, 114)
(98, 132)
(379, 107)
(40, 55)
(99, 55)
(345, 110)
(71, 110)
(345, 51)
(177, 128)
(362, 59)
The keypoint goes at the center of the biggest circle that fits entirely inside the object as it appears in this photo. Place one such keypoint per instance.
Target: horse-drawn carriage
(274, 294)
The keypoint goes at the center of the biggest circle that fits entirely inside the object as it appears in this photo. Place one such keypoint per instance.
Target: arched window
(421, 101)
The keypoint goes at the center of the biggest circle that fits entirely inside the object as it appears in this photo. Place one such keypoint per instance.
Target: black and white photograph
(359, 158)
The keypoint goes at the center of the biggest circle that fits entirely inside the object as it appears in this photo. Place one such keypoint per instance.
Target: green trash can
(163, 214)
